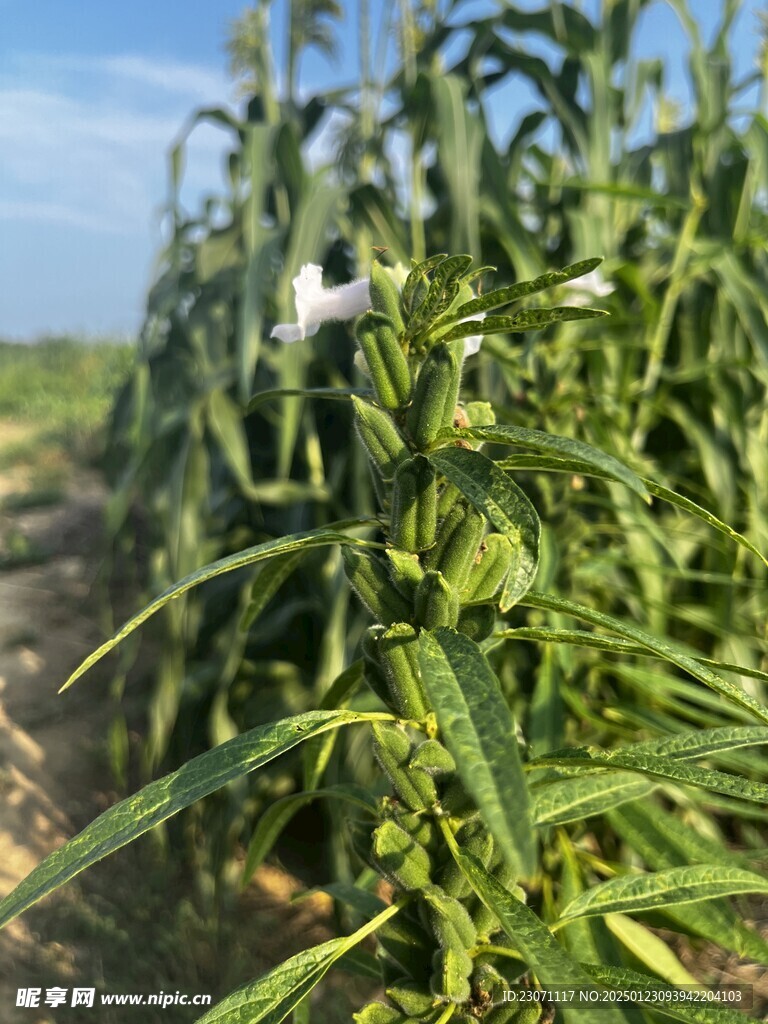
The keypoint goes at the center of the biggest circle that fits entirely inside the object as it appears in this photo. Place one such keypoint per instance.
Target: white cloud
(84, 145)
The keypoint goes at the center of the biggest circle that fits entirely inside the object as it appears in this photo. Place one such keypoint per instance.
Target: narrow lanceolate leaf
(579, 797)
(478, 730)
(615, 645)
(560, 447)
(705, 742)
(285, 545)
(552, 964)
(662, 997)
(271, 998)
(570, 465)
(656, 767)
(632, 893)
(662, 647)
(503, 503)
(161, 799)
(267, 583)
(526, 320)
(337, 394)
(521, 290)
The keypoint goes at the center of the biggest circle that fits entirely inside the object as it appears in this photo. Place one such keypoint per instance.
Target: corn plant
(472, 818)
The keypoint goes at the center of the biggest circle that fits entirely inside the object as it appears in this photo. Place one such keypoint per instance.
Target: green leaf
(559, 465)
(268, 581)
(663, 648)
(271, 998)
(337, 394)
(526, 320)
(580, 797)
(614, 645)
(478, 730)
(679, 1009)
(649, 949)
(284, 545)
(277, 815)
(163, 798)
(531, 938)
(705, 742)
(503, 503)
(632, 893)
(225, 420)
(560, 447)
(416, 275)
(514, 292)
(443, 289)
(658, 767)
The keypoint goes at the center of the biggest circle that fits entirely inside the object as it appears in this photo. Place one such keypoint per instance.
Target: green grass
(62, 386)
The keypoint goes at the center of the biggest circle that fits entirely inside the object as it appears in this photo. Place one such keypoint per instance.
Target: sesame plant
(468, 873)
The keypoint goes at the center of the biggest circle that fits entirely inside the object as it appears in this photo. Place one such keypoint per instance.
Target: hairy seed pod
(370, 580)
(392, 750)
(435, 397)
(378, 1013)
(450, 978)
(436, 602)
(414, 505)
(421, 827)
(473, 838)
(385, 296)
(405, 570)
(447, 498)
(386, 361)
(405, 941)
(485, 978)
(456, 543)
(373, 673)
(489, 569)
(382, 440)
(410, 997)
(449, 920)
(524, 1013)
(432, 757)
(399, 656)
(477, 621)
(400, 858)
(456, 801)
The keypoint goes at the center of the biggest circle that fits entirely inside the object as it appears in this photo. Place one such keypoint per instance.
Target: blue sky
(92, 95)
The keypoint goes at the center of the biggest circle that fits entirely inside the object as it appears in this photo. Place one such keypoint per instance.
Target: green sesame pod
(370, 580)
(411, 998)
(392, 750)
(435, 397)
(450, 979)
(399, 657)
(432, 757)
(406, 942)
(456, 544)
(385, 296)
(378, 1013)
(405, 570)
(414, 505)
(436, 602)
(473, 838)
(422, 827)
(449, 495)
(477, 621)
(449, 919)
(490, 568)
(514, 1013)
(382, 440)
(386, 361)
(456, 801)
(400, 858)
(372, 670)
(485, 978)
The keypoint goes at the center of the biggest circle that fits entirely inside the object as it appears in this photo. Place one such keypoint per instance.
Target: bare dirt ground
(132, 923)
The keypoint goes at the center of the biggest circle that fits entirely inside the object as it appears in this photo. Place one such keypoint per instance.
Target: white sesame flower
(588, 287)
(474, 341)
(315, 304)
